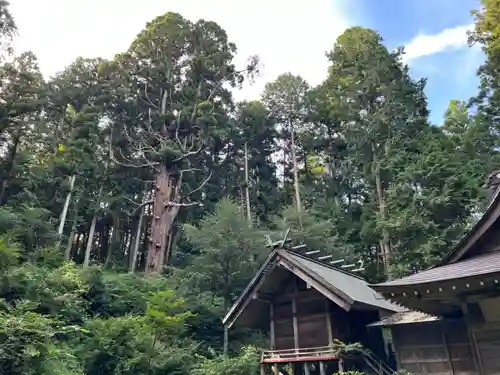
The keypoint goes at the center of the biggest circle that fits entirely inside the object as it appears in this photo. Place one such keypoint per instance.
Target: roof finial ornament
(354, 267)
(278, 244)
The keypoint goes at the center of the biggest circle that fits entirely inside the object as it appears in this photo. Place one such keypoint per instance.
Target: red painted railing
(323, 353)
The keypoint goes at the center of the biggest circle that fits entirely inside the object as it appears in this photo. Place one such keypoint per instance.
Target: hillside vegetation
(136, 195)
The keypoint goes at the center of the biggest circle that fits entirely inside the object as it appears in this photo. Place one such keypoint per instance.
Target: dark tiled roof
(351, 285)
(480, 265)
(335, 279)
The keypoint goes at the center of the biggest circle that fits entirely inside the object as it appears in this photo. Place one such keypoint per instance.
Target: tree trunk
(296, 175)
(10, 168)
(247, 188)
(165, 208)
(384, 242)
(79, 237)
(90, 240)
(143, 253)
(62, 219)
(113, 241)
(242, 200)
(69, 247)
(137, 240)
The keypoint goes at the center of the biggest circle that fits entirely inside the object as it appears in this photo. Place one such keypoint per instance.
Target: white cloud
(424, 45)
(287, 35)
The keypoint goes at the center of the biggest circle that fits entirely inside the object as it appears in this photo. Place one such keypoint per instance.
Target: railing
(378, 366)
(294, 355)
(323, 353)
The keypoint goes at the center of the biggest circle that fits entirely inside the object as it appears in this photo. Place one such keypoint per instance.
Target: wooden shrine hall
(458, 329)
(304, 304)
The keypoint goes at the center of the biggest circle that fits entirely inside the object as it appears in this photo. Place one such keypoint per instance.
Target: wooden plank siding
(488, 347)
(307, 328)
(484, 326)
(283, 325)
(457, 341)
(317, 321)
(435, 348)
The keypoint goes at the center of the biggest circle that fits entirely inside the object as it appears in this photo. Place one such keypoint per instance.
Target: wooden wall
(484, 325)
(312, 320)
(307, 312)
(283, 325)
(434, 348)
(487, 341)
(303, 318)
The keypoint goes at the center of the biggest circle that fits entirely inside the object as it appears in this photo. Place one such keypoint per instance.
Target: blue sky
(287, 35)
(450, 73)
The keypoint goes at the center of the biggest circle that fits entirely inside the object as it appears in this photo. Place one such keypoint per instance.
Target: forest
(137, 197)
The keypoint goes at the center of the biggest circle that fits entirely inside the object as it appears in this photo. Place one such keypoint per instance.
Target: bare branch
(177, 130)
(201, 185)
(190, 204)
(182, 171)
(148, 164)
(225, 78)
(127, 162)
(139, 205)
(187, 154)
(144, 181)
(144, 204)
(149, 101)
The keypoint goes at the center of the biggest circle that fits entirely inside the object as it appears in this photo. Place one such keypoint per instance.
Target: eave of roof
(404, 317)
(486, 264)
(249, 287)
(451, 267)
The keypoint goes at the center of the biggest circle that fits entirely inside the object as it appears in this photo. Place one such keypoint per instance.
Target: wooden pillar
(226, 340)
(472, 341)
(446, 348)
(477, 353)
(306, 368)
(271, 326)
(294, 317)
(322, 368)
(295, 324)
(328, 322)
(262, 369)
(275, 369)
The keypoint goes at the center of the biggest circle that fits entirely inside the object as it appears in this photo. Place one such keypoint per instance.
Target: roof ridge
(490, 208)
(327, 265)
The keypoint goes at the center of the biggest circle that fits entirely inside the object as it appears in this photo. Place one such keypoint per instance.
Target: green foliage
(52, 321)
(228, 251)
(402, 372)
(9, 253)
(246, 362)
(27, 225)
(374, 179)
(8, 29)
(31, 342)
(343, 350)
